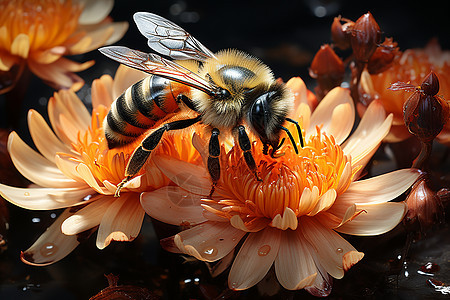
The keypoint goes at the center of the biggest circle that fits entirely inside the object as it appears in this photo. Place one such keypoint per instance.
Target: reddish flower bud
(340, 33)
(328, 69)
(424, 206)
(425, 113)
(365, 37)
(383, 57)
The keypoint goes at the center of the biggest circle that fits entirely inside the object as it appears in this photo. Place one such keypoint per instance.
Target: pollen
(291, 186)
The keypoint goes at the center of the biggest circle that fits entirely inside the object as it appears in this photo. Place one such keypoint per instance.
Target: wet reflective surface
(287, 42)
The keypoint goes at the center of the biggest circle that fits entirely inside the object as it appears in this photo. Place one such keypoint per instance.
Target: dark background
(285, 35)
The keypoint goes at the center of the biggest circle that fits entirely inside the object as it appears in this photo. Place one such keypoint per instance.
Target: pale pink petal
(35, 167)
(68, 166)
(322, 285)
(95, 11)
(87, 217)
(101, 91)
(52, 245)
(209, 241)
(59, 74)
(45, 198)
(238, 223)
(173, 205)
(345, 179)
(288, 220)
(308, 200)
(325, 116)
(124, 78)
(122, 220)
(254, 259)
(294, 265)
(373, 127)
(190, 177)
(375, 219)
(43, 137)
(330, 246)
(377, 189)
(342, 121)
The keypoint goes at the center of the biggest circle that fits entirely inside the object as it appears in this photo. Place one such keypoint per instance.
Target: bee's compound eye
(224, 94)
(257, 115)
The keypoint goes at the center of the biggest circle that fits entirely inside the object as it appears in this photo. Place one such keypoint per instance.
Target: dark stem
(357, 67)
(425, 153)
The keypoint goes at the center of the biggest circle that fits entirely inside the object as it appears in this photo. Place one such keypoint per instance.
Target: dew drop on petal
(48, 249)
(339, 250)
(264, 250)
(26, 194)
(210, 252)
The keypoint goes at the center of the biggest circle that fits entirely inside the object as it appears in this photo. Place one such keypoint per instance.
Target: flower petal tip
(350, 258)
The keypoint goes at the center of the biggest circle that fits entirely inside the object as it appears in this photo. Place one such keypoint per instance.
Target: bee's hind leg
(246, 146)
(141, 154)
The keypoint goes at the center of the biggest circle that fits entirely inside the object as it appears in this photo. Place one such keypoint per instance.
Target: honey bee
(226, 90)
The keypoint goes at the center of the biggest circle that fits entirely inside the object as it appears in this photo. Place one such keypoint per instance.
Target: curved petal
(254, 259)
(288, 220)
(324, 202)
(43, 137)
(377, 189)
(85, 173)
(52, 245)
(35, 167)
(209, 241)
(122, 220)
(98, 35)
(20, 45)
(374, 126)
(124, 78)
(101, 91)
(294, 264)
(95, 11)
(173, 205)
(330, 246)
(45, 198)
(190, 177)
(88, 217)
(324, 115)
(375, 219)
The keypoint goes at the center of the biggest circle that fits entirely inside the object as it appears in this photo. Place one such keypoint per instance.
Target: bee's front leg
(246, 146)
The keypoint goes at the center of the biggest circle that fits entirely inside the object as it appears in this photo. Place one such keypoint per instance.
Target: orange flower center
(291, 181)
(109, 164)
(47, 23)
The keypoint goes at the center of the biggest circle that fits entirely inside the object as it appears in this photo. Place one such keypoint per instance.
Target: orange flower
(38, 33)
(75, 170)
(411, 66)
(291, 217)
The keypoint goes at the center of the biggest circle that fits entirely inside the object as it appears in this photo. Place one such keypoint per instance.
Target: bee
(226, 90)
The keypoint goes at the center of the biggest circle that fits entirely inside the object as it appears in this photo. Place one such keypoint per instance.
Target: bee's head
(268, 112)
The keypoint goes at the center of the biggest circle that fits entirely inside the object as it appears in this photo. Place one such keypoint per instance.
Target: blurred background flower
(38, 34)
(76, 170)
(293, 215)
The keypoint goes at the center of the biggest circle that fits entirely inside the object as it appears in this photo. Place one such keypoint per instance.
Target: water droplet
(35, 220)
(48, 249)
(264, 250)
(26, 194)
(339, 250)
(234, 285)
(210, 252)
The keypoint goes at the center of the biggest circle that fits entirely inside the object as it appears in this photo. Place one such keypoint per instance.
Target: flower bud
(424, 206)
(425, 113)
(365, 37)
(328, 69)
(382, 58)
(340, 33)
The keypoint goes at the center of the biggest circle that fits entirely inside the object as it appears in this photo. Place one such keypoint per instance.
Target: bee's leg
(213, 159)
(246, 146)
(141, 154)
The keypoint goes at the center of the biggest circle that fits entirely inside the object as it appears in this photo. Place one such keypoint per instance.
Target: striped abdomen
(139, 108)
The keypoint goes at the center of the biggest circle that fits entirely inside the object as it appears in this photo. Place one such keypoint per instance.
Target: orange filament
(319, 165)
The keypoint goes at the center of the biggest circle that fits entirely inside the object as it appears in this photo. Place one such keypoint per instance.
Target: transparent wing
(157, 65)
(167, 38)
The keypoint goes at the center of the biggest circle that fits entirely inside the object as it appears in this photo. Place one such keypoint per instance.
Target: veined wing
(167, 38)
(157, 65)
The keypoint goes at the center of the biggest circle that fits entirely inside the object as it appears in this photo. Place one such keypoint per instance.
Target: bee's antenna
(291, 138)
(299, 130)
